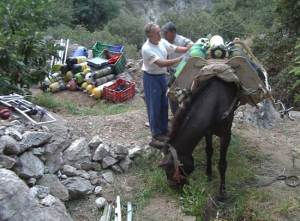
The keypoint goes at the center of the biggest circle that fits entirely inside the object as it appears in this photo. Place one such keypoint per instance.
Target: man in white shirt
(155, 53)
(170, 34)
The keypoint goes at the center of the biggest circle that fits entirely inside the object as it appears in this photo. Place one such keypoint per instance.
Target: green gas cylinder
(79, 77)
(199, 49)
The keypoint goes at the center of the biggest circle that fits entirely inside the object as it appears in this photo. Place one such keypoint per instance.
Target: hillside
(153, 9)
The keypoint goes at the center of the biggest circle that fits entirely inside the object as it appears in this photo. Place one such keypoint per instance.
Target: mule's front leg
(209, 152)
(224, 140)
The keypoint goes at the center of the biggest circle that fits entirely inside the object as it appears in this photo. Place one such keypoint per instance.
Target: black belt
(145, 72)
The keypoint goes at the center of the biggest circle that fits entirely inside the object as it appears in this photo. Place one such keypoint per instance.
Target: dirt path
(277, 145)
(280, 148)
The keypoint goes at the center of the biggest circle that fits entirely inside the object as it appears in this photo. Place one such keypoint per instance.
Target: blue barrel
(80, 51)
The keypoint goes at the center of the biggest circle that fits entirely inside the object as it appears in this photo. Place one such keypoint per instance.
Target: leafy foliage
(94, 13)
(23, 49)
(132, 32)
(295, 72)
(276, 48)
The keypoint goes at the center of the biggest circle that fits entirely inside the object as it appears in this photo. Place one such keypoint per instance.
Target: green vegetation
(55, 104)
(199, 198)
(295, 74)
(94, 13)
(272, 27)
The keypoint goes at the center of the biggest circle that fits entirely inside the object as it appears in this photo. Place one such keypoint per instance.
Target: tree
(132, 31)
(95, 13)
(23, 49)
(295, 72)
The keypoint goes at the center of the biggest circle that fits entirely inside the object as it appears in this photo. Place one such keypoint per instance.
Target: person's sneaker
(147, 124)
(161, 138)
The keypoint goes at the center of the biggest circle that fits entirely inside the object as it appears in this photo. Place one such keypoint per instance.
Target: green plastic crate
(99, 47)
(119, 66)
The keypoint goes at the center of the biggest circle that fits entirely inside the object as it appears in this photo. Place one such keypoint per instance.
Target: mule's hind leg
(209, 152)
(224, 140)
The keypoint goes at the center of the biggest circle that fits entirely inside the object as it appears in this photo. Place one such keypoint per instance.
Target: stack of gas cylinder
(80, 73)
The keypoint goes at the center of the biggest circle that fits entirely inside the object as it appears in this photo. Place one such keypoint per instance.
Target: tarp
(237, 70)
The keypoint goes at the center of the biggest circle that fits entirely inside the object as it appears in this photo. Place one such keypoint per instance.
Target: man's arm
(180, 49)
(167, 62)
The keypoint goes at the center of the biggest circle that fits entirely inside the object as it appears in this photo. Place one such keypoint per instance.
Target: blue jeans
(155, 88)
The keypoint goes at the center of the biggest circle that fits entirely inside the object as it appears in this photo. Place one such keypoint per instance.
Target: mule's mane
(186, 107)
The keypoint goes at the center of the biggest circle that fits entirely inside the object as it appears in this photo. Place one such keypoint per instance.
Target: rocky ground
(69, 170)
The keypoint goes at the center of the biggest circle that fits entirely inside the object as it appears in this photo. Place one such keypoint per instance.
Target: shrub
(23, 50)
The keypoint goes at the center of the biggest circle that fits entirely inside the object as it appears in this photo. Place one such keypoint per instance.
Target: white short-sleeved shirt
(151, 53)
(179, 41)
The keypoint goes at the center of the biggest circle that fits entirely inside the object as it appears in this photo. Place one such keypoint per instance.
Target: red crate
(111, 94)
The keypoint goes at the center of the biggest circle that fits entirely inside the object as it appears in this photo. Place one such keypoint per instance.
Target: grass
(199, 197)
(153, 179)
(53, 103)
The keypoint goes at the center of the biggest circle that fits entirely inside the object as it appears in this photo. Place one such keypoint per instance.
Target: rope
(291, 181)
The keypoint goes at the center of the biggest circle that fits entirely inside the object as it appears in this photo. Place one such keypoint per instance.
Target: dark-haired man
(169, 32)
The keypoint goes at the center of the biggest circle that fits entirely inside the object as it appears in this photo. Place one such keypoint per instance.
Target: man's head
(169, 31)
(152, 31)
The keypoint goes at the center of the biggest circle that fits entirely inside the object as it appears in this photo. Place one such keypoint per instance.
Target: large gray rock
(78, 187)
(108, 161)
(49, 200)
(58, 143)
(125, 164)
(69, 170)
(135, 151)
(34, 139)
(2, 146)
(101, 152)
(83, 174)
(77, 153)
(108, 177)
(95, 178)
(94, 143)
(91, 166)
(54, 153)
(120, 151)
(39, 191)
(57, 189)
(54, 162)
(9, 145)
(38, 151)
(29, 166)
(6, 161)
(117, 169)
(13, 132)
(16, 202)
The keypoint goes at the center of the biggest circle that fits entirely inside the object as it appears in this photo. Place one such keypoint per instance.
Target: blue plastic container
(80, 51)
(116, 48)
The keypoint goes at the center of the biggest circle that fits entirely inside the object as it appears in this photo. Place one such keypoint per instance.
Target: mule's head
(177, 167)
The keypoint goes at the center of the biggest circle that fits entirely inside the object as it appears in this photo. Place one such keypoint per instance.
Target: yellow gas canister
(84, 85)
(68, 76)
(86, 70)
(54, 87)
(97, 91)
(90, 88)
